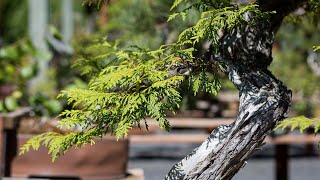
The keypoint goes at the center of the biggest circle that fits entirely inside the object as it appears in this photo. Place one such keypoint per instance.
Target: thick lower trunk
(264, 101)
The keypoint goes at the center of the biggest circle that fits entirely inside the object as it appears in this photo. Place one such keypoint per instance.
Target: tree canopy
(140, 82)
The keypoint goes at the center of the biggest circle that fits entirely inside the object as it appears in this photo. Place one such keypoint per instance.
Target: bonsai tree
(146, 82)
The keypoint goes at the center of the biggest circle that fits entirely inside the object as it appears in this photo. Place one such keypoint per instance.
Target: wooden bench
(281, 142)
(199, 138)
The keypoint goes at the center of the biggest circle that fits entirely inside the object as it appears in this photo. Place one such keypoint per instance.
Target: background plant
(18, 67)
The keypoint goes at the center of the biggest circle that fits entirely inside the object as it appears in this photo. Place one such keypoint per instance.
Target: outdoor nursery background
(44, 44)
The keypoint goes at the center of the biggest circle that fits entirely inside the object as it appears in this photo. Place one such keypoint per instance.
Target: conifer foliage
(138, 83)
(300, 122)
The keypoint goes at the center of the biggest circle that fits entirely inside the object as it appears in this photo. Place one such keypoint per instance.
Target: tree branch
(282, 8)
(246, 52)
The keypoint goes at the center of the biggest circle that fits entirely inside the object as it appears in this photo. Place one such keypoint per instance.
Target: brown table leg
(9, 124)
(10, 150)
(309, 148)
(1, 148)
(281, 158)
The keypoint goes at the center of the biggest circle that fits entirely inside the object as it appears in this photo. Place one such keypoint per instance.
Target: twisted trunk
(245, 53)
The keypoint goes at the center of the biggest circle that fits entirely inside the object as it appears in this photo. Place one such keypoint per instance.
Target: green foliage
(42, 96)
(17, 56)
(97, 3)
(17, 67)
(295, 39)
(300, 122)
(293, 44)
(133, 83)
(202, 81)
(14, 20)
(152, 30)
(202, 5)
(91, 60)
(215, 20)
(57, 143)
(314, 10)
(119, 97)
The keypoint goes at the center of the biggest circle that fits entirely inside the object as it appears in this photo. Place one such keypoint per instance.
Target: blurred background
(40, 41)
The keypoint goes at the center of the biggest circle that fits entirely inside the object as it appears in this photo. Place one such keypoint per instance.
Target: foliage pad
(137, 83)
(301, 123)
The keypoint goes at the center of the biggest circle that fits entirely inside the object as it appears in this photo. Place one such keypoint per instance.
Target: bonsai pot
(106, 159)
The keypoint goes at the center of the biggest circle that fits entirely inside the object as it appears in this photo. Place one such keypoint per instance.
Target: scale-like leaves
(176, 3)
(128, 85)
(203, 82)
(300, 122)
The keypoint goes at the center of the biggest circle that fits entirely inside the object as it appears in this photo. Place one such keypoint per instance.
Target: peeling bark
(245, 53)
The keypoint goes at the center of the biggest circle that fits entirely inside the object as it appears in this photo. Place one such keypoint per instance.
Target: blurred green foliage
(144, 23)
(294, 43)
(17, 68)
(42, 97)
(14, 20)
(17, 63)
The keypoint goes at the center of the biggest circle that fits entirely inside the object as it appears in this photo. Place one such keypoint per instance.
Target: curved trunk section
(245, 53)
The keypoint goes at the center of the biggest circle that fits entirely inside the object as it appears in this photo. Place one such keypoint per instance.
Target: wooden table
(8, 138)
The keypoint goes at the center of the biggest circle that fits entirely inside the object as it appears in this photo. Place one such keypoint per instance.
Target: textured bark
(245, 53)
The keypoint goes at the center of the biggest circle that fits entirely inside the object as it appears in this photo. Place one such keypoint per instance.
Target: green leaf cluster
(216, 20)
(129, 84)
(301, 123)
(17, 56)
(97, 3)
(202, 82)
(117, 98)
(98, 54)
(202, 5)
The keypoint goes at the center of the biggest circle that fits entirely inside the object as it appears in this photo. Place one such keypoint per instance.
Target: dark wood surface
(9, 124)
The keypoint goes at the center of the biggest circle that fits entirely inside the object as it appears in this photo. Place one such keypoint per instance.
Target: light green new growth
(137, 83)
(300, 122)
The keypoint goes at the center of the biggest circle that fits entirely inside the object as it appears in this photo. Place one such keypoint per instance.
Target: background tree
(12, 28)
(146, 83)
